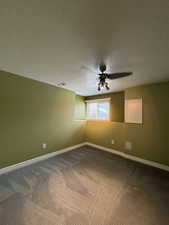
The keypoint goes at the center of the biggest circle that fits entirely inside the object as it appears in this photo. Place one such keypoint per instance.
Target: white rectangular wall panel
(133, 111)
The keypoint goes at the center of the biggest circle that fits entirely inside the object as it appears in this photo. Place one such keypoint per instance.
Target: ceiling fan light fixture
(107, 86)
(103, 85)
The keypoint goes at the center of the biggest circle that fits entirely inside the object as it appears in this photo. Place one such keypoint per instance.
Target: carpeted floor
(85, 187)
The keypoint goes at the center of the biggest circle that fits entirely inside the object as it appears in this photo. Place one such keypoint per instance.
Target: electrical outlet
(128, 145)
(113, 142)
(44, 146)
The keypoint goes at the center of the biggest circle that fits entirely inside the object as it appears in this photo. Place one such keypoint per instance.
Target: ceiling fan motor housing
(103, 82)
(102, 68)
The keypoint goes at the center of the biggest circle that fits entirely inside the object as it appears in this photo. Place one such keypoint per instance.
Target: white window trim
(96, 101)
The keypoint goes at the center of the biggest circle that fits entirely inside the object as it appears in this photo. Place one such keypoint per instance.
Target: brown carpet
(85, 187)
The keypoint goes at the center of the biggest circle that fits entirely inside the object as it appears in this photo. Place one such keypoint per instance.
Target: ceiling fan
(103, 76)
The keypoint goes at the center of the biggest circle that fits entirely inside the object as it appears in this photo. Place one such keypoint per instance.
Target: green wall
(151, 139)
(31, 113)
(80, 108)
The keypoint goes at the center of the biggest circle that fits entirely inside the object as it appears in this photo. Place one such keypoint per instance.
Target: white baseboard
(133, 158)
(58, 152)
(38, 159)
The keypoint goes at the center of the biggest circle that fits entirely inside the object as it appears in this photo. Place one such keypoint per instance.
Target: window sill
(97, 120)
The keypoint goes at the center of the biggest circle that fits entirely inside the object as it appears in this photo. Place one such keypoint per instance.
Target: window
(98, 109)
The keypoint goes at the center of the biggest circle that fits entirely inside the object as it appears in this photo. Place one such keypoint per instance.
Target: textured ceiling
(63, 41)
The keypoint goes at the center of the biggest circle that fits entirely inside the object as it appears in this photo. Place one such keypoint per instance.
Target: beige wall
(151, 139)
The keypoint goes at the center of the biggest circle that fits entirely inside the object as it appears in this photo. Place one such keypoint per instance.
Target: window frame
(107, 100)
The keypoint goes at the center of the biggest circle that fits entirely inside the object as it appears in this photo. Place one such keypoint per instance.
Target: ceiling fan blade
(113, 76)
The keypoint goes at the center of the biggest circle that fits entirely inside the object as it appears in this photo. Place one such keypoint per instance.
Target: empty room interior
(84, 112)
